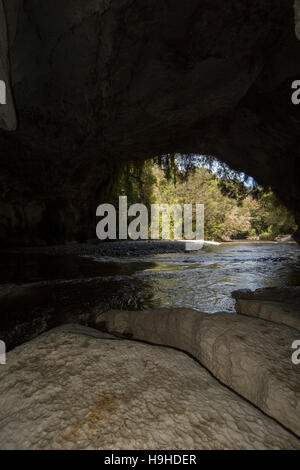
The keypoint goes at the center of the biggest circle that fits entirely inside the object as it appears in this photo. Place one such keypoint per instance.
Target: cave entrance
(46, 286)
(236, 206)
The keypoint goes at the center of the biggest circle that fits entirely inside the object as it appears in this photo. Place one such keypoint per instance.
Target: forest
(236, 207)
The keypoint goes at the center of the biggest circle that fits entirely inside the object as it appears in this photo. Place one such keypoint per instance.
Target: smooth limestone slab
(65, 390)
(251, 356)
(280, 305)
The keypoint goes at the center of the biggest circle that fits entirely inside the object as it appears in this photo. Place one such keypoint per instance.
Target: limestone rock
(251, 356)
(70, 391)
(99, 82)
(285, 239)
(280, 305)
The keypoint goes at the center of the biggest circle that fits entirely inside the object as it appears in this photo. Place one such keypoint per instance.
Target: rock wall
(249, 355)
(279, 305)
(98, 82)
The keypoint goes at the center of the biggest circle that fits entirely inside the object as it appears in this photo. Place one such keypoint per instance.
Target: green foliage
(234, 188)
(134, 180)
(269, 217)
(232, 209)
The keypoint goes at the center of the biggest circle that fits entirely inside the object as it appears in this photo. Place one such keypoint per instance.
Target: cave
(85, 87)
(91, 84)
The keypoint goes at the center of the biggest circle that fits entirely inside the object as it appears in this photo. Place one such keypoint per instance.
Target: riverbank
(259, 242)
(127, 248)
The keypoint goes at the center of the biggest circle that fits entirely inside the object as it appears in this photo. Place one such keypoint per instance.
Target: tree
(232, 208)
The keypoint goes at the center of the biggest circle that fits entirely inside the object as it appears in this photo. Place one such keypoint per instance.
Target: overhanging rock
(100, 82)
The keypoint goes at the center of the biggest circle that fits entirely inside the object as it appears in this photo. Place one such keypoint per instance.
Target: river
(42, 288)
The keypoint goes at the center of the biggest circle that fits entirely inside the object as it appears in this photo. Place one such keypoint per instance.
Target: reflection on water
(39, 291)
(204, 280)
